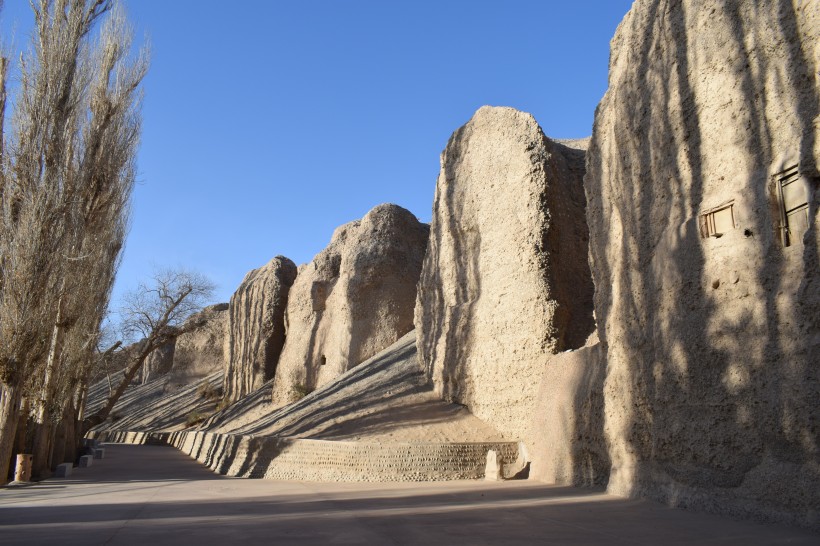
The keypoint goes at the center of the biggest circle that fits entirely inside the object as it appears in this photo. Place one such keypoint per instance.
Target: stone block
(85, 461)
(63, 470)
(99, 453)
(493, 471)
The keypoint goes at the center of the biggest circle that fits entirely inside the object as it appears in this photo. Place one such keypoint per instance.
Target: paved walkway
(152, 495)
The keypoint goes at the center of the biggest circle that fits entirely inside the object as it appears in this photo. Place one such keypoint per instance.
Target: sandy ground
(156, 495)
(386, 398)
(159, 405)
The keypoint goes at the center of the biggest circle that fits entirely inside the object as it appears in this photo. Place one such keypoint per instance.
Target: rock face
(354, 299)
(159, 362)
(708, 309)
(257, 326)
(505, 281)
(200, 351)
(568, 419)
(194, 354)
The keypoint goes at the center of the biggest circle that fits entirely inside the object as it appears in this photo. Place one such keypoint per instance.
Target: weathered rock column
(505, 282)
(354, 299)
(257, 326)
(711, 323)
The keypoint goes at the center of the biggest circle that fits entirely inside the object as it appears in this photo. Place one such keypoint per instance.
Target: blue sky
(267, 124)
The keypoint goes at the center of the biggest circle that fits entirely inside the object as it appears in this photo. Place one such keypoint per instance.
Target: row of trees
(67, 169)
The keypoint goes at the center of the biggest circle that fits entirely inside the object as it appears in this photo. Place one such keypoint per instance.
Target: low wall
(321, 460)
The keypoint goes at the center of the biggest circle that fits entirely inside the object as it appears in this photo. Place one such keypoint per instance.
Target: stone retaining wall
(322, 460)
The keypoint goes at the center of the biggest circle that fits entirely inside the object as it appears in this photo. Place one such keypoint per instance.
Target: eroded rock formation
(200, 351)
(354, 299)
(505, 282)
(195, 353)
(568, 445)
(705, 148)
(159, 362)
(257, 326)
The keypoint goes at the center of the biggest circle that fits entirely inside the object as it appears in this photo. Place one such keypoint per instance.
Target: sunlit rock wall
(567, 420)
(200, 351)
(257, 327)
(505, 282)
(354, 299)
(191, 355)
(712, 331)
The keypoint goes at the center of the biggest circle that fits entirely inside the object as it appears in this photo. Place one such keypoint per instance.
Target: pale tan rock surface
(352, 300)
(200, 351)
(711, 392)
(158, 405)
(159, 362)
(193, 354)
(568, 419)
(257, 327)
(505, 281)
(387, 398)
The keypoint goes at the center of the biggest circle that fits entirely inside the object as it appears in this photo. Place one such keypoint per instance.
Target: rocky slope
(158, 405)
(386, 398)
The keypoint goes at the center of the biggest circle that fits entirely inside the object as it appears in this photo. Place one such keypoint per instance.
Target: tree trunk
(74, 412)
(22, 428)
(58, 451)
(10, 396)
(43, 432)
(44, 426)
(72, 441)
(82, 398)
(128, 376)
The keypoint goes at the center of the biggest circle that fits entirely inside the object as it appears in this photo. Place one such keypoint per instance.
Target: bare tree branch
(158, 312)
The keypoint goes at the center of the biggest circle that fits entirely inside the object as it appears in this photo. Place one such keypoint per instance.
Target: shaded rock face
(194, 354)
(505, 281)
(159, 362)
(257, 326)
(354, 299)
(712, 331)
(568, 419)
(200, 351)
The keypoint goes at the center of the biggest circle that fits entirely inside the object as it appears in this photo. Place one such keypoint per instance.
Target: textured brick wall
(322, 460)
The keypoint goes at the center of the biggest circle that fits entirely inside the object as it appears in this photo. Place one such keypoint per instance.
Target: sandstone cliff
(709, 309)
(257, 327)
(505, 282)
(159, 362)
(192, 355)
(200, 351)
(354, 299)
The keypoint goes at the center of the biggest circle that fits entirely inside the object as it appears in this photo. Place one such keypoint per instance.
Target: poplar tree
(67, 170)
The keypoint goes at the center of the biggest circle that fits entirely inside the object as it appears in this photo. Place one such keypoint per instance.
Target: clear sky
(269, 123)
